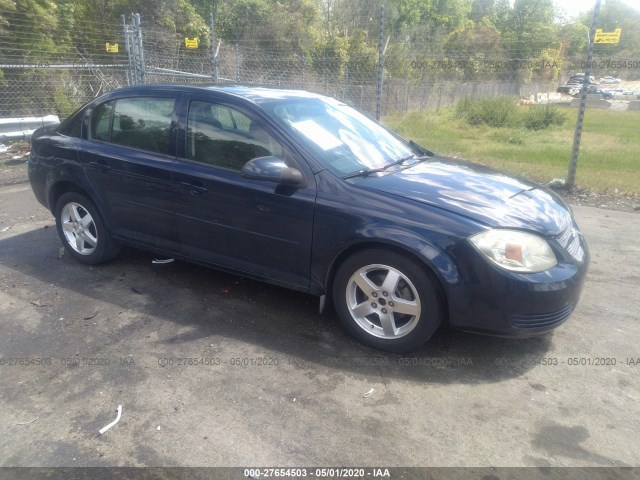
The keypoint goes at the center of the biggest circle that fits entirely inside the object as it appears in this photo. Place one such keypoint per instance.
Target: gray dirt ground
(277, 384)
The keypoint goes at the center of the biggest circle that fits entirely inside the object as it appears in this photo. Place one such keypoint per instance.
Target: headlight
(515, 250)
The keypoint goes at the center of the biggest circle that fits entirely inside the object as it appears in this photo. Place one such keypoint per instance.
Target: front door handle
(195, 189)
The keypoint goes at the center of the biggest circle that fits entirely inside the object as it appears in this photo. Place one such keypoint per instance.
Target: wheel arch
(426, 265)
(60, 188)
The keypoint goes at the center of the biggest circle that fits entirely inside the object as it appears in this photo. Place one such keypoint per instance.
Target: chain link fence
(36, 81)
(377, 76)
(469, 95)
(36, 78)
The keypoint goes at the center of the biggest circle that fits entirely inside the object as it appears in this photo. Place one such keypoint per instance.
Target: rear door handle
(195, 189)
(102, 167)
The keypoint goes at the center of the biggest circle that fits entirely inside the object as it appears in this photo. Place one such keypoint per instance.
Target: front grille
(542, 320)
(570, 241)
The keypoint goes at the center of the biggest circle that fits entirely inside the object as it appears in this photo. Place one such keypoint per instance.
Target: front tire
(82, 230)
(386, 300)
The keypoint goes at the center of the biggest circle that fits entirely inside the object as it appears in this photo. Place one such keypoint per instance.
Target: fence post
(237, 62)
(439, 98)
(138, 50)
(127, 45)
(345, 83)
(325, 72)
(380, 75)
(573, 164)
(214, 50)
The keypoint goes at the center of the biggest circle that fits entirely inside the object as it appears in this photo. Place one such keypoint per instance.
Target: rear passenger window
(143, 123)
(224, 137)
(72, 126)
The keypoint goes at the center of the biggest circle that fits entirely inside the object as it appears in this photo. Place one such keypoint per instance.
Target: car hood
(477, 192)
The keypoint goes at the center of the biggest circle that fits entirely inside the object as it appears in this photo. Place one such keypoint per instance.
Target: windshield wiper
(369, 171)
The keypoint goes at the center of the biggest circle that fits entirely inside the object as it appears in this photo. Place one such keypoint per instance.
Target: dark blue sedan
(302, 191)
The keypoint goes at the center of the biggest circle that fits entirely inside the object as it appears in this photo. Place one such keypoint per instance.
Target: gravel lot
(216, 370)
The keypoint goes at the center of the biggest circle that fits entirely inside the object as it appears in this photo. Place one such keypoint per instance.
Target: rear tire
(386, 300)
(82, 230)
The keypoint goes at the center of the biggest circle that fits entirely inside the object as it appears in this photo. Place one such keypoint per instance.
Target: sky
(574, 7)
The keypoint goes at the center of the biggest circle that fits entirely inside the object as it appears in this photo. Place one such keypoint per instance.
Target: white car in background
(610, 80)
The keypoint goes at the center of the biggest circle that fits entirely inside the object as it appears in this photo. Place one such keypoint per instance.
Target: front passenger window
(224, 137)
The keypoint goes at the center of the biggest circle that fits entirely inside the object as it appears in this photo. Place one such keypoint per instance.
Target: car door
(250, 226)
(128, 157)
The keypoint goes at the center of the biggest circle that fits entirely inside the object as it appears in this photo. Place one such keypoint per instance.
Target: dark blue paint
(296, 236)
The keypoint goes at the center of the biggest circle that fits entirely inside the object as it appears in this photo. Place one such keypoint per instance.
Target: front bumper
(494, 301)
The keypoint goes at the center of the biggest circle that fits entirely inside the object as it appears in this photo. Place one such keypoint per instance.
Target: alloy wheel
(383, 301)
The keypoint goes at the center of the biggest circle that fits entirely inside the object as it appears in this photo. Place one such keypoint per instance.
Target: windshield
(344, 139)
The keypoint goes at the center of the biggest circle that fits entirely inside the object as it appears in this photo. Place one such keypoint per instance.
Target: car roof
(253, 94)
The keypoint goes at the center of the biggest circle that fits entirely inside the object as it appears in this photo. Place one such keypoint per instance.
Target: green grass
(609, 156)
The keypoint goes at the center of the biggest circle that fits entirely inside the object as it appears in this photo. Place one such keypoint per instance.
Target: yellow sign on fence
(607, 37)
(111, 47)
(191, 42)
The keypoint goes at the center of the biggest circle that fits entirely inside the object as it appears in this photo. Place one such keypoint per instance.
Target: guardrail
(22, 128)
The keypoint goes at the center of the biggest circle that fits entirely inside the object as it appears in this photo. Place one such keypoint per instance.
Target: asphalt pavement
(215, 370)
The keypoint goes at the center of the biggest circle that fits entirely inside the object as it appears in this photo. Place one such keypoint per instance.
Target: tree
(528, 29)
(30, 28)
(475, 52)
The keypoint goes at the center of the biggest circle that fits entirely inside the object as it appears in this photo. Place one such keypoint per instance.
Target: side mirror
(273, 169)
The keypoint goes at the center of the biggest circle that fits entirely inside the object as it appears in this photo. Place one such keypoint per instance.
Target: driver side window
(224, 137)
